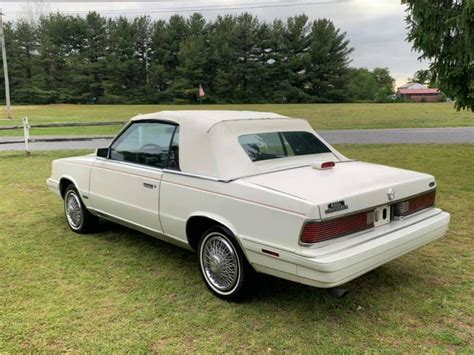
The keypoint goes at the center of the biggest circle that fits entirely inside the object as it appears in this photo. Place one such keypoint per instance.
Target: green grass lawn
(119, 290)
(321, 116)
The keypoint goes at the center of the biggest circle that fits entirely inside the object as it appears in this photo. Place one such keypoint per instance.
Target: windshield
(273, 145)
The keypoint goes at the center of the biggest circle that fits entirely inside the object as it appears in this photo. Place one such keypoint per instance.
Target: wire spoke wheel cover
(73, 208)
(220, 263)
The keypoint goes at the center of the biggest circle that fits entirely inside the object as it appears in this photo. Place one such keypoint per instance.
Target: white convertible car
(251, 191)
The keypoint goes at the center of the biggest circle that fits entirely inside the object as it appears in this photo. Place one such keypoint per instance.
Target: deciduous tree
(443, 31)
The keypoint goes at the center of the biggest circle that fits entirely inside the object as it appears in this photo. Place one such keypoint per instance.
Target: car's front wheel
(223, 265)
(79, 219)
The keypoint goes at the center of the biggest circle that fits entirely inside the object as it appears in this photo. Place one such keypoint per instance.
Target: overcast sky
(375, 28)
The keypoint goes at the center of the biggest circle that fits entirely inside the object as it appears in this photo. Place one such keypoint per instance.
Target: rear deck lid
(347, 187)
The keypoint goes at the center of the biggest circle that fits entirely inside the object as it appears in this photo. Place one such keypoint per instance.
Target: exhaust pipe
(338, 292)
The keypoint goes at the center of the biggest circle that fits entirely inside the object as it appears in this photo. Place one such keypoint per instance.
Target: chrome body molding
(197, 176)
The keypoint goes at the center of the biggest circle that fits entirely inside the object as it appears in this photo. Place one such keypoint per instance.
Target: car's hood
(360, 185)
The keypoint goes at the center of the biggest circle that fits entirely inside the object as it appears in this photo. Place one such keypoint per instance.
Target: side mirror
(102, 152)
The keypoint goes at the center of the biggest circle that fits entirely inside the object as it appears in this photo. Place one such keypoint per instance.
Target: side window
(146, 143)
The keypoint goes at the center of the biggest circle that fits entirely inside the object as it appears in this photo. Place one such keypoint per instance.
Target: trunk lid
(348, 187)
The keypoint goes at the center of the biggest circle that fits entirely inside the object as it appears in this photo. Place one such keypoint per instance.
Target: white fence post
(26, 132)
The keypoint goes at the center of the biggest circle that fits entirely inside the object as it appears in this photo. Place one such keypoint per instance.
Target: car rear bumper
(334, 264)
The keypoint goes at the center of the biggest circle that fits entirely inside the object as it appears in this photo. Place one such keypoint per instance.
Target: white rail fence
(27, 139)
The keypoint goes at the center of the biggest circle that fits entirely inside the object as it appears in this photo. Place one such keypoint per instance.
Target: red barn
(417, 94)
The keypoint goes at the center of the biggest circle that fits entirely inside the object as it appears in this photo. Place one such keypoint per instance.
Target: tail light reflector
(314, 232)
(415, 204)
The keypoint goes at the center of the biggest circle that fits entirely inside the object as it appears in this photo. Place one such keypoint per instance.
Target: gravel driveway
(359, 136)
(401, 135)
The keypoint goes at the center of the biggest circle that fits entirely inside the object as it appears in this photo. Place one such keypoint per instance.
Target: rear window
(273, 145)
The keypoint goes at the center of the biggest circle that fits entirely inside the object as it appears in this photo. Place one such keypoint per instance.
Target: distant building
(414, 86)
(418, 93)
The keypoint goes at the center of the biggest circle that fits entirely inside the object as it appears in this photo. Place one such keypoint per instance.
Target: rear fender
(223, 221)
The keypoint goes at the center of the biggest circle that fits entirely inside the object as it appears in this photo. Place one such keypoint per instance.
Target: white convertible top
(209, 146)
(206, 119)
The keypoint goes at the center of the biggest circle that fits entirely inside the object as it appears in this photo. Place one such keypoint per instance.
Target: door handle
(149, 186)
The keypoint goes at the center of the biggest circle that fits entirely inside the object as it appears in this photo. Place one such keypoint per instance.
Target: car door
(126, 184)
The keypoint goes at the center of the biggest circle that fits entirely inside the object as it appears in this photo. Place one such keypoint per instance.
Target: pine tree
(328, 69)
(236, 59)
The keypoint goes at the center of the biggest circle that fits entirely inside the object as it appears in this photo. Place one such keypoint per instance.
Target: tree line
(237, 59)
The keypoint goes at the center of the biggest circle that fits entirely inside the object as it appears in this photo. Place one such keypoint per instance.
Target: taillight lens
(314, 232)
(415, 204)
(328, 164)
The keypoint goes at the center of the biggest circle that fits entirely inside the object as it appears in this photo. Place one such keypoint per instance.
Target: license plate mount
(381, 215)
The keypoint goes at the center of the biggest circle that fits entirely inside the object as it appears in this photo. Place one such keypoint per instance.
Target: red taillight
(415, 204)
(314, 232)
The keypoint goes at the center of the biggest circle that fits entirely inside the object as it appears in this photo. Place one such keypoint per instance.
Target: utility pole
(5, 68)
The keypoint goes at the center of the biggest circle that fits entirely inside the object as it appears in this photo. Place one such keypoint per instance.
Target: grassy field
(321, 116)
(119, 290)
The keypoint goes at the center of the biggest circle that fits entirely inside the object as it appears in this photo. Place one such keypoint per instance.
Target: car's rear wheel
(78, 218)
(223, 266)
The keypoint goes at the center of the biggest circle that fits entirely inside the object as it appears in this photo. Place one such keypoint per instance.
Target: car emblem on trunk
(336, 206)
(391, 194)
